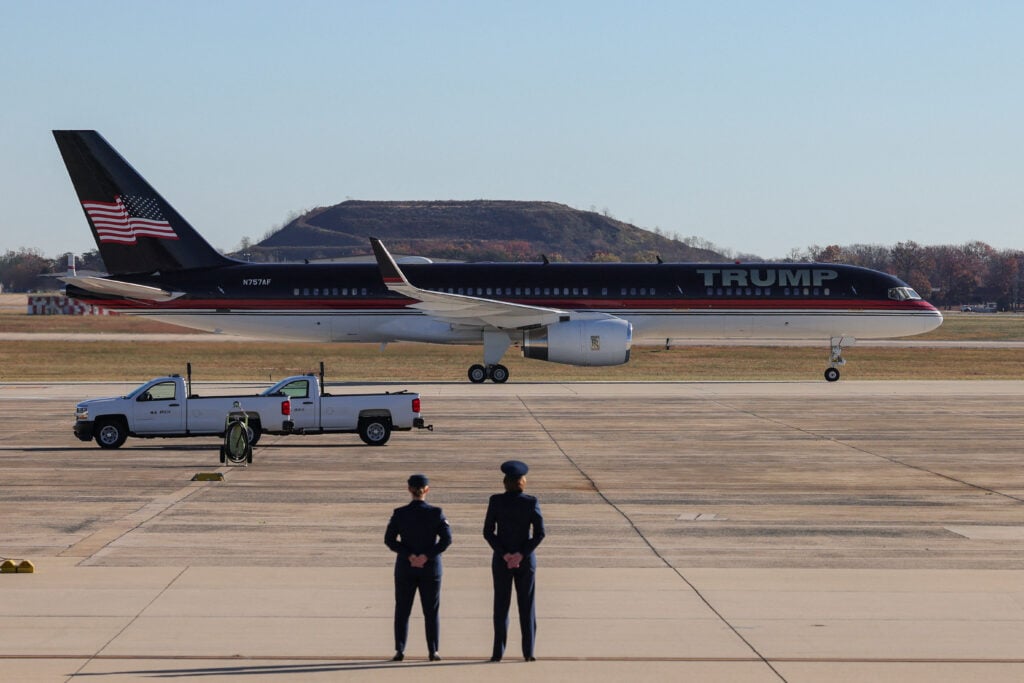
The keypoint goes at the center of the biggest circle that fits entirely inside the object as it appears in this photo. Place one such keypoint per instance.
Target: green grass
(266, 361)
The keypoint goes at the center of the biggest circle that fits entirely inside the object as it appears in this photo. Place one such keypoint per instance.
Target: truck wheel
(110, 433)
(375, 431)
(255, 432)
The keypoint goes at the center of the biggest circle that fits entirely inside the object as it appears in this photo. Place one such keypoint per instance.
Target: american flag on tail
(128, 218)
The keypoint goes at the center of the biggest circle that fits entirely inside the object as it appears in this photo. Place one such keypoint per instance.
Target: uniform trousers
(429, 586)
(504, 578)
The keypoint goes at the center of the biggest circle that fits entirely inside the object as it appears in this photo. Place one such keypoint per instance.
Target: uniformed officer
(507, 528)
(418, 533)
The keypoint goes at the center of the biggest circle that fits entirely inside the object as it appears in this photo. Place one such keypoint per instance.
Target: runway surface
(791, 531)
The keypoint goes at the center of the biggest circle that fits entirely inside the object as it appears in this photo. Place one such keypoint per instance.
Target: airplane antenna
(658, 256)
(545, 259)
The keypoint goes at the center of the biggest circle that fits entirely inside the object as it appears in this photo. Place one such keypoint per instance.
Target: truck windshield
(137, 390)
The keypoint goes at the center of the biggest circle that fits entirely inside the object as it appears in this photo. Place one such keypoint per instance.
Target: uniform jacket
(507, 525)
(418, 529)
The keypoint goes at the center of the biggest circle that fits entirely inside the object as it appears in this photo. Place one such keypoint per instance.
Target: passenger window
(297, 389)
(164, 391)
(295, 292)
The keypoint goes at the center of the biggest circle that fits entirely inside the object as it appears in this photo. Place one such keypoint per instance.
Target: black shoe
(530, 658)
(496, 658)
(434, 657)
(398, 657)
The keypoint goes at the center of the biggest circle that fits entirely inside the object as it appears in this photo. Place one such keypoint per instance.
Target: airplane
(585, 314)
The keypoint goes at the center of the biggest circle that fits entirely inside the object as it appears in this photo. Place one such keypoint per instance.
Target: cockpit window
(903, 293)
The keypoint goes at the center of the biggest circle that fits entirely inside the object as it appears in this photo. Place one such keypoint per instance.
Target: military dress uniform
(417, 529)
(507, 528)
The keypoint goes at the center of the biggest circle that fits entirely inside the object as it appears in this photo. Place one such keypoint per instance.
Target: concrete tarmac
(790, 531)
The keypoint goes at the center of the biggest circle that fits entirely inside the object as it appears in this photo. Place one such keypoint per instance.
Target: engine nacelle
(581, 342)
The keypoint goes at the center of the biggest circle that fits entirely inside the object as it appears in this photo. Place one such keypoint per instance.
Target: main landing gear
(496, 373)
(836, 360)
(495, 346)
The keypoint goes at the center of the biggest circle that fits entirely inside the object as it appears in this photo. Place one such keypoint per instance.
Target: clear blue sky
(760, 126)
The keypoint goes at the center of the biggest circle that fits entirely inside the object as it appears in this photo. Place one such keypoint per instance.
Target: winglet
(389, 270)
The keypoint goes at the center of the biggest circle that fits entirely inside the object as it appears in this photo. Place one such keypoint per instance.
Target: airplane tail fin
(135, 229)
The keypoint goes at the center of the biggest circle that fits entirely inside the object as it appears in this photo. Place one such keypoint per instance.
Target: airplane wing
(460, 309)
(102, 285)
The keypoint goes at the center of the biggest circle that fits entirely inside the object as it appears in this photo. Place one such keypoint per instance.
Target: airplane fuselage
(349, 302)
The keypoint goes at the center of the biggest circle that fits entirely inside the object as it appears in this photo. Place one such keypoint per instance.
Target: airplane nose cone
(934, 320)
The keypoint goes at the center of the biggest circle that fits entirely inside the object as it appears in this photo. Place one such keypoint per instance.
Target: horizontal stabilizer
(102, 285)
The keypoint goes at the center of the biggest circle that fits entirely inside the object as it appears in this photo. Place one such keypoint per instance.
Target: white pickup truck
(165, 407)
(372, 416)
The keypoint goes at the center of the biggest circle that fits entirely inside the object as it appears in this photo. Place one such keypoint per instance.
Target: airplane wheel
(477, 373)
(499, 374)
(831, 374)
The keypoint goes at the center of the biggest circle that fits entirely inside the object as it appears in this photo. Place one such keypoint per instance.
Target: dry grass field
(265, 361)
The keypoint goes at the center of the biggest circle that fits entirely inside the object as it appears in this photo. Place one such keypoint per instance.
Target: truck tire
(255, 431)
(111, 433)
(375, 431)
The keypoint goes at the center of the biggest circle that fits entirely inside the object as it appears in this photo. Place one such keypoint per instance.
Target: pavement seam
(96, 542)
(647, 542)
(99, 652)
(853, 447)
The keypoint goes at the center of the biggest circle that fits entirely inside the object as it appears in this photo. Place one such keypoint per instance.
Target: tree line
(946, 275)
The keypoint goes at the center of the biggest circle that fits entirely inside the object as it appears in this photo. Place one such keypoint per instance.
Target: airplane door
(159, 410)
(303, 403)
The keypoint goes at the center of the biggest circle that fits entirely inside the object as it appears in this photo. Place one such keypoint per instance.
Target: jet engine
(604, 341)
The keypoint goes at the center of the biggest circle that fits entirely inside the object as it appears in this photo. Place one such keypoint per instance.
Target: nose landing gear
(836, 360)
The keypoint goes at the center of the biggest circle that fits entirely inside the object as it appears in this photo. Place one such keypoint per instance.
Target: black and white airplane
(575, 313)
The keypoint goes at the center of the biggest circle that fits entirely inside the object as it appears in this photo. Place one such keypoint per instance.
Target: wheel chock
(14, 567)
(208, 476)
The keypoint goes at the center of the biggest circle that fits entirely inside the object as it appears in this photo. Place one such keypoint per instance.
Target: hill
(480, 230)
